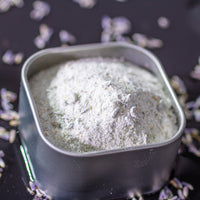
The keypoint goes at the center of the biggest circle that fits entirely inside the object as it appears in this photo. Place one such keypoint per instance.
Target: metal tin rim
(103, 152)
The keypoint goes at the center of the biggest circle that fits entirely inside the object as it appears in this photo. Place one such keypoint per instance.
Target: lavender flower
(40, 10)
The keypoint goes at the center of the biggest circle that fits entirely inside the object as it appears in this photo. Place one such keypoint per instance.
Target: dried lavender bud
(14, 122)
(178, 85)
(5, 5)
(185, 191)
(39, 42)
(45, 34)
(143, 41)
(40, 10)
(187, 139)
(9, 115)
(197, 102)
(5, 136)
(18, 3)
(193, 149)
(174, 184)
(6, 105)
(197, 115)
(162, 195)
(140, 39)
(173, 198)
(7, 96)
(121, 25)
(168, 192)
(106, 36)
(2, 129)
(121, 38)
(67, 37)
(2, 163)
(154, 43)
(191, 131)
(188, 185)
(1, 154)
(113, 29)
(180, 194)
(30, 191)
(196, 73)
(106, 22)
(86, 3)
(193, 108)
(178, 182)
(139, 196)
(12, 136)
(18, 57)
(163, 22)
(191, 105)
(8, 57)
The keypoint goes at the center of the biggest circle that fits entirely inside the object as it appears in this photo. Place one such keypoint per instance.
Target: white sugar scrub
(98, 104)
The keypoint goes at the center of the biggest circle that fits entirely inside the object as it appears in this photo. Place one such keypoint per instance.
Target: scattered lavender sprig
(147, 42)
(116, 28)
(181, 91)
(181, 190)
(7, 114)
(36, 192)
(190, 135)
(191, 109)
(40, 10)
(7, 97)
(10, 58)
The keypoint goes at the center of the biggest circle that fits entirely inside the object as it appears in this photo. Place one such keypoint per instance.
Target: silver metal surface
(103, 174)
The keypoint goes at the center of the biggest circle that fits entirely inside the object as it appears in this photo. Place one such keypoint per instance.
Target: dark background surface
(179, 55)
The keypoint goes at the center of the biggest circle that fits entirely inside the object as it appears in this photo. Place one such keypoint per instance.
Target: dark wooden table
(179, 55)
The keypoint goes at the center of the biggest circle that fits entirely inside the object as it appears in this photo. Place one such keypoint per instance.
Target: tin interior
(129, 52)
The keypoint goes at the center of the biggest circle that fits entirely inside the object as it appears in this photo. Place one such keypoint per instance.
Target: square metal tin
(103, 174)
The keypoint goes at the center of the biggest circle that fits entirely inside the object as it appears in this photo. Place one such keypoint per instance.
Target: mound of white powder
(102, 104)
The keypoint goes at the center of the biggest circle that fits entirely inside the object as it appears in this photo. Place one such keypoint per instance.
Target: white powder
(102, 104)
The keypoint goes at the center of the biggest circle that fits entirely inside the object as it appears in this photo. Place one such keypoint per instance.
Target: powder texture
(102, 104)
